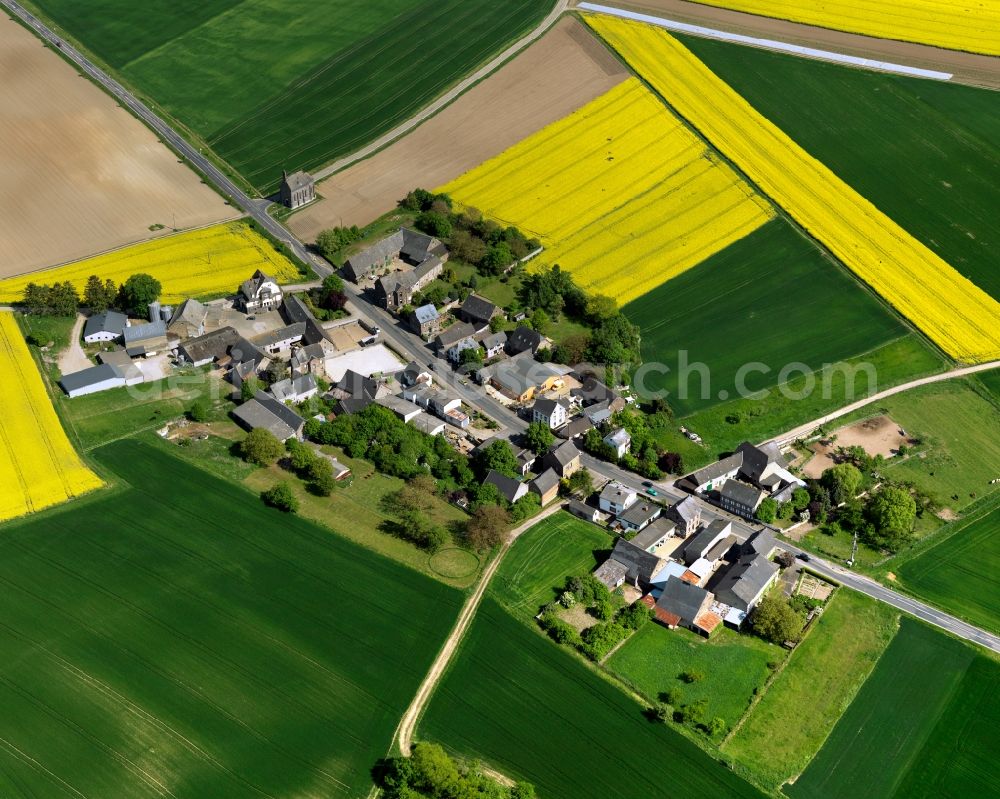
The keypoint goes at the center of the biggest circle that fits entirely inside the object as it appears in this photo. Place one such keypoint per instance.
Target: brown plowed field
(969, 68)
(78, 175)
(564, 70)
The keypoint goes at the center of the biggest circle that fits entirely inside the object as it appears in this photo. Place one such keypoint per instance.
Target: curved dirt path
(808, 427)
(73, 358)
(408, 724)
(430, 110)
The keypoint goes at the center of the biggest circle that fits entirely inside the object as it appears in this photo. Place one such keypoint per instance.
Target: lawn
(353, 511)
(734, 667)
(959, 573)
(536, 712)
(991, 381)
(767, 300)
(537, 566)
(789, 724)
(931, 154)
(176, 637)
(923, 725)
(293, 84)
(725, 425)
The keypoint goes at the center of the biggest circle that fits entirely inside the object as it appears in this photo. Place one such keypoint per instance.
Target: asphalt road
(413, 347)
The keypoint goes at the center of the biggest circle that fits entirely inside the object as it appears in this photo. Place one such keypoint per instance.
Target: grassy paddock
(931, 154)
(177, 630)
(785, 729)
(734, 666)
(739, 306)
(537, 566)
(923, 725)
(536, 712)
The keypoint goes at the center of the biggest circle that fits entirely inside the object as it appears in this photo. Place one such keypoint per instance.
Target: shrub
(198, 412)
(280, 496)
(261, 447)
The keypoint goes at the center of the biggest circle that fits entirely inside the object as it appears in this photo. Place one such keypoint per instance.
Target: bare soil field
(78, 174)
(559, 73)
(969, 68)
(879, 435)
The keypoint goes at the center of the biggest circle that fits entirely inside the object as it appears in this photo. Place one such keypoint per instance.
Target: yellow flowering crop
(956, 314)
(38, 465)
(972, 25)
(620, 192)
(198, 263)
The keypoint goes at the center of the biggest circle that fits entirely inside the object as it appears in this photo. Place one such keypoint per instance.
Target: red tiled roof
(666, 617)
(648, 601)
(707, 622)
(690, 577)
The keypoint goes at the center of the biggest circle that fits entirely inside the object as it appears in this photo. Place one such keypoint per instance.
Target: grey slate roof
(293, 387)
(269, 339)
(418, 247)
(545, 482)
(362, 263)
(107, 322)
(762, 542)
(242, 351)
(638, 563)
(298, 180)
(756, 459)
(591, 389)
(744, 580)
(640, 512)
(546, 407)
(618, 438)
(523, 339)
(357, 386)
(687, 510)
(250, 286)
(562, 454)
(682, 599)
(582, 509)
(495, 340)
(510, 488)
(190, 312)
(575, 428)
(425, 314)
(741, 493)
(653, 533)
(454, 334)
(212, 345)
(478, 309)
(611, 572)
(704, 538)
(139, 333)
(265, 411)
(295, 310)
(717, 469)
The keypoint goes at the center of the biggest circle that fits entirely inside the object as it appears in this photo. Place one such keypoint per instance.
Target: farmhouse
(563, 458)
(546, 485)
(259, 293)
(107, 326)
(208, 347)
(710, 543)
(620, 441)
(592, 391)
(655, 536)
(397, 289)
(311, 359)
(405, 245)
(523, 339)
(638, 515)
(761, 467)
(583, 511)
(452, 342)
(746, 581)
(477, 311)
(510, 489)
(684, 605)
(628, 563)
(414, 375)
(297, 389)
(265, 411)
(282, 338)
(145, 340)
(575, 428)
(616, 498)
(687, 515)
(188, 320)
(493, 344)
(739, 498)
(425, 321)
(296, 189)
(355, 386)
(551, 413)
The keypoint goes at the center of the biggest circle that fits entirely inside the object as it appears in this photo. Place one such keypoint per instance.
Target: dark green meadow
(172, 636)
(922, 726)
(533, 710)
(773, 297)
(291, 84)
(926, 153)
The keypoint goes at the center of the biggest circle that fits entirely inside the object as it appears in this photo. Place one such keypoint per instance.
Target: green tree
(716, 727)
(497, 456)
(800, 499)
(526, 507)
(892, 512)
(249, 388)
(332, 241)
(472, 355)
(137, 292)
(488, 527)
(319, 475)
(198, 412)
(433, 223)
(774, 620)
(843, 481)
(333, 282)
(539, 320)
(261, 447)
(600, 307)
(98, 296)
(581, 482)
(280, 496)
(539, 437)
(768, 510)
(498, 257)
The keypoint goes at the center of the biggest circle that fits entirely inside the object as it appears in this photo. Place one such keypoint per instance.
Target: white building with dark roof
(104, 327)
(259, 293)
(296, 189)
(551, 413)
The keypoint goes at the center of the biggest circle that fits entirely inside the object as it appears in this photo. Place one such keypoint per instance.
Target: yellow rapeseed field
(38, 465)
(620, 192)
(972, 25)
(956, 314)
(199, 263)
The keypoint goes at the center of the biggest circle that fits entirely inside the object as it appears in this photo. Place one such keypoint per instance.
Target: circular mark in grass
(454, 563)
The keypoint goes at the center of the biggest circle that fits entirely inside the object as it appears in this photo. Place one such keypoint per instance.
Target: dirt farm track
(80, 175)
(557, 74)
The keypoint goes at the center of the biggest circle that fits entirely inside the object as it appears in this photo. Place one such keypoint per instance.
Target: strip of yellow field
(956, 314)
(199, 263)
(620, 192)
(972, 25)
(38, 465)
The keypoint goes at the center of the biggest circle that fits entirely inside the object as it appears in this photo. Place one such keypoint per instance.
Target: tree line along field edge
(188, 595)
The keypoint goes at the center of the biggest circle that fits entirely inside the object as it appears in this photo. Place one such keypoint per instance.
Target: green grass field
(959, 573)
(292, 84)
(931, 154)
(536, 712)
(771, 298)
(176, 638)
(734, 667)
(923, 725)
(803, 703)
(537, 566)
(991, 382)
(726, 425)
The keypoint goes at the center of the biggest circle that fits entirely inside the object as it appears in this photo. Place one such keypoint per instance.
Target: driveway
(73, 358)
